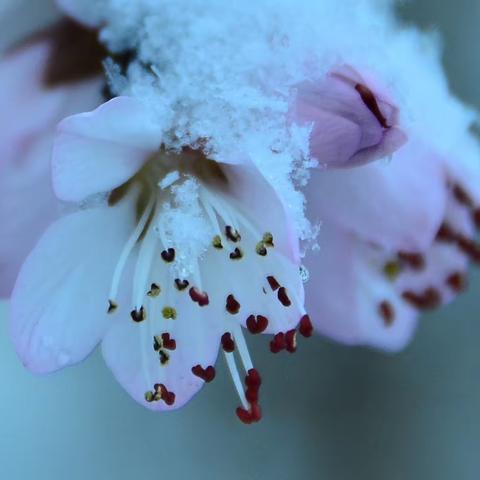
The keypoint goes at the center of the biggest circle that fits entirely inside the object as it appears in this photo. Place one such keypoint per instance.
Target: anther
(181, 284)
(268, 239)
(168, 255)
(305, 326)
(392, 269)
(283, 297)
(261, 249)
(112, 306)
(476, 217)
(164, 357)
(387, 312)
(168, 342)
(167, 396)
(232, 234)
(206, 374)
(416, 261)
(138, 315)
(272, 281)
(217, 242)
(446, 234)
(370, 102)
(462, 196)
(237, 254)
(169, 313)
(154, 290)
(232, 305)
(291, 340)
(457, 282)
(199, 297)
(427, 300)
(228, 344)
(257, 323)
(277, 344)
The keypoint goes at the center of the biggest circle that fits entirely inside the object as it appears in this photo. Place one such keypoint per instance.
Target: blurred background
(331, 412)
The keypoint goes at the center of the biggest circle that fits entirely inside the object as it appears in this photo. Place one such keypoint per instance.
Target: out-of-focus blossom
(395, 240)
(181, 258)
(352, 123)
(53, 75)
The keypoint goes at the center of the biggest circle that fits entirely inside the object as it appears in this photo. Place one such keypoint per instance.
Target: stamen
(370, 102)
(231, 305)
(283, 297)
(277, 344)
(261, 249)
(169, 313)
(138, 315)
(291, 340)
(272, 281)
(457, 282)
(217, 242)
(257, 323)
(168, 255)
(227, 342)
(112, 306)
(387, 312)
(268, 239)
(305, 326)
(199, 297)
(206, 374)
(181, 284)
(427, 300)
(462, 196)
(232, 234)
(232, 367)
(237, 254)
(416, 261)
(154, 290)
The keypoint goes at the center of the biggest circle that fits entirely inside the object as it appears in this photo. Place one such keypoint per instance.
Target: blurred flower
(183, 242)
(351, 123)
(395, 240)
(50, 76)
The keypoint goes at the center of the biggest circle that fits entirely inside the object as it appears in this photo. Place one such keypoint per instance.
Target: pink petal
(346, 291)
(58, 309)
(98, 151)
(399, 204)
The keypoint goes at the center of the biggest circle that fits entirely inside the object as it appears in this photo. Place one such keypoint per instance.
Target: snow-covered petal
(398, 204)
(350, 299)
(58, 310)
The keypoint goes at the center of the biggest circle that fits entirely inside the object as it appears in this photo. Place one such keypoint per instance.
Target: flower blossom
(396, 238)
(45, 79)
(352, 124)
(166, 273)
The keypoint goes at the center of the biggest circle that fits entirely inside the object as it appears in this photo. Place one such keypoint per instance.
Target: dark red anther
(255, 412)
(252, 395)
(272, 281)
(283, 297)
(462, 196)
(253, 379)
(232, 234)
(167, 396)
(199, 297)
(245, 416)
(446, 234)
(232, 306)
(168, 342)
(227, 342)
(305, 326)
(387, 313)
(257, 323)
(427, 300)
(277, 344)
(370, 102)
(457, 282)
(476, 217)
(469, 248)
(416, 261)
(168, 255)
(291, 340)
(206, 374)
(138, 315)
(181, 284)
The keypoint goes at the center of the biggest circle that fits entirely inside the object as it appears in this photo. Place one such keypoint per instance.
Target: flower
(166, 272)
(46, 80)
(395, 239)
(352, 122)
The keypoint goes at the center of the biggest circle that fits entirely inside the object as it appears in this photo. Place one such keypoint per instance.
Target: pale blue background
(331, 412)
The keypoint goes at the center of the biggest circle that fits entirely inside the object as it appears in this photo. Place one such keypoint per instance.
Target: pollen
(169, 313)
(268, 239)
(261, 249)
(217, 242)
